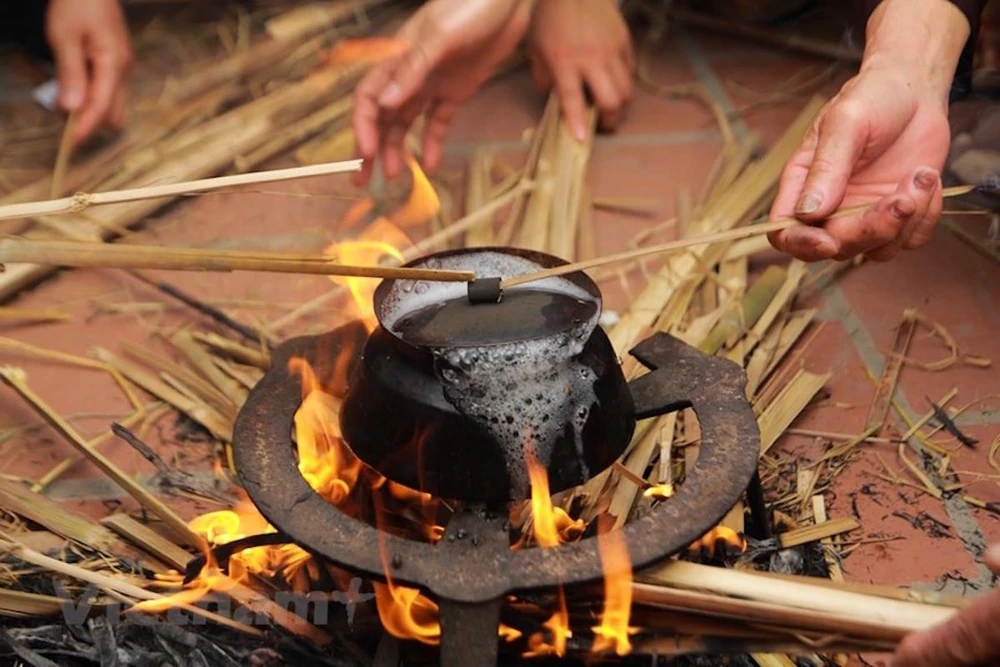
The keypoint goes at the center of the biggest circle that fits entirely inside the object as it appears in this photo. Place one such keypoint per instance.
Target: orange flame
(659, 491)
(551, 525)
(710, 541)
(365, 50)
(558, 627)
(407, 614)
(614, 630)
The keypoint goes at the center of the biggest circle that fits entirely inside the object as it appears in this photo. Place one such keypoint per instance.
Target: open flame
(382, 239)
(551, 525)
(722, 536)
(334, 472)
(614, 630)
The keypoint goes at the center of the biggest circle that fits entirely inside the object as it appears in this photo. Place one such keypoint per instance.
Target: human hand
(970, 638)
(884, 138)
(449, 49)
(577, 43)
(93, 58)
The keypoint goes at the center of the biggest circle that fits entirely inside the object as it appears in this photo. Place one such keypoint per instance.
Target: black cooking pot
(455, 399)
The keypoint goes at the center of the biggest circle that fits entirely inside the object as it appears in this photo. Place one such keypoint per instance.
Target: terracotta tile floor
(663, 147)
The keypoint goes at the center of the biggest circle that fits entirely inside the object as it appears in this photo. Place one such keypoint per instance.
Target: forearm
(925, 37)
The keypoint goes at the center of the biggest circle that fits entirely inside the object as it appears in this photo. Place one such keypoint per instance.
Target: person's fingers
(875, 227)
(607, 99)
(436, 125)
(410, 73)
(925, 187)
(967, 639)
(366, 118)
(107, 69)
(624, 80)
(569, 89)
(393, 149)
(541, 76)
(116, 117)
(71, 68)
(794, 174)
(810, 244)
(843, 133)
(992, 558)
(799, 243)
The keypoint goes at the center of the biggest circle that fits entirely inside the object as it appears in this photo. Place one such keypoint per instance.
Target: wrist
(923, 39)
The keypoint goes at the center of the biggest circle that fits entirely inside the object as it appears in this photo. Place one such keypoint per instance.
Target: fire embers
(720, 545)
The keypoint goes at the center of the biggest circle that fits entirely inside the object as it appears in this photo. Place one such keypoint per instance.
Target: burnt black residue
(925, 523)
(524, 314)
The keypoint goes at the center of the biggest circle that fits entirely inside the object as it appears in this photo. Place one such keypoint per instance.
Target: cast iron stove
(397, 389)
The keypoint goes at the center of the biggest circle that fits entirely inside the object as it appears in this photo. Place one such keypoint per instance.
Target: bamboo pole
(133, 256)
(83, 200)
(895, 615)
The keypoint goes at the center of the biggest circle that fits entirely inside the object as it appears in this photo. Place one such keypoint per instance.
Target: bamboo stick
(792, 400)
(14, 314)
(15, 379)
(55, 518)
(740, 317)
(819, 531)
(879, 409)
(477, 190)
(148, 540)
(236, 351)
(197, 152)
(894, 616)
(83, 200)
(132, 256)
(706, 239)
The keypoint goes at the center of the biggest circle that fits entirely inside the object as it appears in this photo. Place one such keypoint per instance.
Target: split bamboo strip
(9, 314)
(529, 174)
(896, 615)
(201, 413)
(877, 590)
(148, 540)
(132, 256)
(636, 462)
(16, 380)
(57, 470)
(172, 372)
(741, 316)
(792, 400)
(820, 518)
(63, 155)
(571, 161)
(586, 242)
(29, 605)
(202, 361)
(795, 326)
(879, 409)
(55, 518)
(736, 206)
(477, 192)
(819, 531)
(778, 303)
(236, 351)
(84, 200)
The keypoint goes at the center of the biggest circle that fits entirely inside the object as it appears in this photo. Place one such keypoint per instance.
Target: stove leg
(759, 521)
(469, 633)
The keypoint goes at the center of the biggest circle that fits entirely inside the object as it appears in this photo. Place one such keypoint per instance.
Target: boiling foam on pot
(526, 393)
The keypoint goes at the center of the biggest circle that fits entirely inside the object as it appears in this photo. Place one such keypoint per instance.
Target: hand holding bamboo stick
(681, 244)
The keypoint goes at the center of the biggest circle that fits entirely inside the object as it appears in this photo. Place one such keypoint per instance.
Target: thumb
(967, 639)
(71, 66)
(843, 134)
